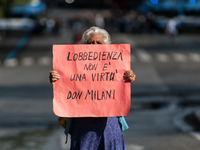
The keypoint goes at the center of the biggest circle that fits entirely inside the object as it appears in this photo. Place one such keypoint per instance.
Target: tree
(6, 5)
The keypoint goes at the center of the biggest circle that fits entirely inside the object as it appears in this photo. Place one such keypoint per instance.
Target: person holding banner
(96, 133)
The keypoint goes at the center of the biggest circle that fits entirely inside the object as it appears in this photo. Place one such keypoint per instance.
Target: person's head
(95, 35)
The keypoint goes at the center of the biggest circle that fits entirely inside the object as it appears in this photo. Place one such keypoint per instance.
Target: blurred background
(165, 56)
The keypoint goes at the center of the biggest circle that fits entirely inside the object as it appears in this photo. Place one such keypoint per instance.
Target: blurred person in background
(96, 133)
(99, 20)
(171, 29)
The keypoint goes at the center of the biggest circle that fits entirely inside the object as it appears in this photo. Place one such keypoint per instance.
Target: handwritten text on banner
(91, 80)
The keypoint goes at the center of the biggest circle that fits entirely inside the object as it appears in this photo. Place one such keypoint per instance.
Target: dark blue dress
(96, 134)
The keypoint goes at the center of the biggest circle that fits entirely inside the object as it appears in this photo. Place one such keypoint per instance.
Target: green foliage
(1, 13)
(20, 2)
(6, 5)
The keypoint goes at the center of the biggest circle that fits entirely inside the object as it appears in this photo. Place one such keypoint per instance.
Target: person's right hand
(54, 76)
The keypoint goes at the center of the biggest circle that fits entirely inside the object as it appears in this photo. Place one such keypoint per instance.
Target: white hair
(95, 30)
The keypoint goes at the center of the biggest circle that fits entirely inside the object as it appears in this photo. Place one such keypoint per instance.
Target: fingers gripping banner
(91, 80)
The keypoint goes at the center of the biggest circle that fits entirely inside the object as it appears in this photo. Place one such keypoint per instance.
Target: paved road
(165, 72)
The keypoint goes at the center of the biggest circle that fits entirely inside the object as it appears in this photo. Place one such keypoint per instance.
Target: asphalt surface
(162, 96)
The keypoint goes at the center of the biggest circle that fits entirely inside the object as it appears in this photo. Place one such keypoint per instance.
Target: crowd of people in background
(48, 24)
(112, 21)
(129, 21)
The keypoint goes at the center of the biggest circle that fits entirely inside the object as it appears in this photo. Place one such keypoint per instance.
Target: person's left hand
(129, 76)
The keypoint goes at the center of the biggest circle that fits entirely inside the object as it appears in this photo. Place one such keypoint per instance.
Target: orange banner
(91, 80)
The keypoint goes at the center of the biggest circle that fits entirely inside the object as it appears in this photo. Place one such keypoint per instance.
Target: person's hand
(54, 76)
(129, 76)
